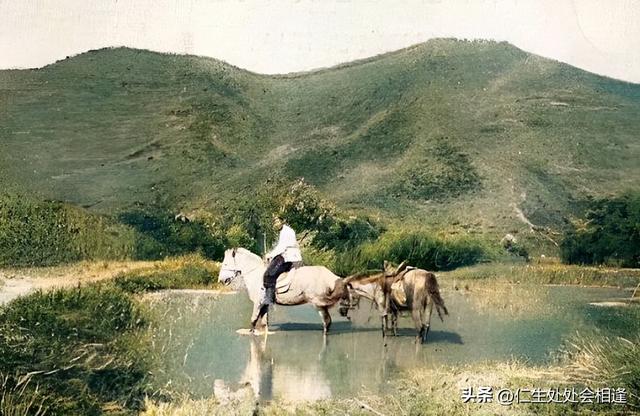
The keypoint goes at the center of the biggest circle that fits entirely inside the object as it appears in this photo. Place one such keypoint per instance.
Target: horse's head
(230, 268)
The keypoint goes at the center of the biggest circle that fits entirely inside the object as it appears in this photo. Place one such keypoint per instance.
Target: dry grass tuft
(612, 361)
(20, 399)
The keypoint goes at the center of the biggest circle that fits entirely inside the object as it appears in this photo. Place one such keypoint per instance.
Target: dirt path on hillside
(18, 282)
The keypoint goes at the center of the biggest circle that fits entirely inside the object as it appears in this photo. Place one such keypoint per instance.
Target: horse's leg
(261, 313)
(394, 323)
(382, 310)
(323, 350)
(326, 318)
(385, 315)
(428, 321)
(416, 314)
(254, 315)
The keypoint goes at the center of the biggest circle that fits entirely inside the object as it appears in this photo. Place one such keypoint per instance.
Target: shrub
(515, 248)
(345, 233)
(160, 235)
(250, 219)
(42, 233)
(609, 233)
(444, 172)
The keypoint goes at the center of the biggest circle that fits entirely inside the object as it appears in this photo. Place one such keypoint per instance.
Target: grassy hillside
(473, 137)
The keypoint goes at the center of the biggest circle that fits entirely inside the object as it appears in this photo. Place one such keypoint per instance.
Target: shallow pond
(197, 339)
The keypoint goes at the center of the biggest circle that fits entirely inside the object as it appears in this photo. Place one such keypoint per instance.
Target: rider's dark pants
(275, 268)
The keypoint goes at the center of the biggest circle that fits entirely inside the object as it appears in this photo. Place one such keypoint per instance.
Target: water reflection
(199, 343)
(273, 372)
(266, 376)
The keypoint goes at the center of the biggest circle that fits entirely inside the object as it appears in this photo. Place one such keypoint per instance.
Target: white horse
(310, 284)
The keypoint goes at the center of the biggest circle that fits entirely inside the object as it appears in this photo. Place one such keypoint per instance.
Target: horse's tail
(434, 293)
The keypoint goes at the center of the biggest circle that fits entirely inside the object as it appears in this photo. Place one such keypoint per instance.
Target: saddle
(395, 285)
(283, 284)
(398, 294)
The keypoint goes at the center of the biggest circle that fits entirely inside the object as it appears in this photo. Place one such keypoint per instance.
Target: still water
(196, 338)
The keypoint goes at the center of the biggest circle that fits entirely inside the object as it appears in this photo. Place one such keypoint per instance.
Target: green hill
(467, 136)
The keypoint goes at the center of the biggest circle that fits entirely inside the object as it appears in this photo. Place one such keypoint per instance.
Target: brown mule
(402, 289)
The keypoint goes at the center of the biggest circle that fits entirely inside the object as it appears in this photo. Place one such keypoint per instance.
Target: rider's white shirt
(287, 246)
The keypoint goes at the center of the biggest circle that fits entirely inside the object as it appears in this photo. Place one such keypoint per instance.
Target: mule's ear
(401, 267)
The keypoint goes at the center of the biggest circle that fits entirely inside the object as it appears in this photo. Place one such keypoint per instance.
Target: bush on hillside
(607, 233)
(301, 205)
(43, 233)
(160, 235)
(345, 233)
(444, 172)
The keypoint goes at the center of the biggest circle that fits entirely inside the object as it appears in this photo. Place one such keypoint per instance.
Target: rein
(237, 272)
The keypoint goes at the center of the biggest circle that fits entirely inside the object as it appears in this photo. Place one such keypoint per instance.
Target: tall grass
(422, 249)
(18, 399)
(613, 362)
(81, 349)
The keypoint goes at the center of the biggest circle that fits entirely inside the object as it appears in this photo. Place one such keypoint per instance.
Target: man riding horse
(282, 258)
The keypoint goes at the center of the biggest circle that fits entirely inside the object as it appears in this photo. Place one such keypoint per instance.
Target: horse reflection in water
(268, 378)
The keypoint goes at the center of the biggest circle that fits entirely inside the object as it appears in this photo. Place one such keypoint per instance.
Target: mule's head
(390, 271)
(229, 269)
(349, 301)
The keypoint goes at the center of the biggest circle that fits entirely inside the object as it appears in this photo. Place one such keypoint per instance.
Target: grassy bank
(547, 273)
(186, 272)
(72, 351)
(83, 349)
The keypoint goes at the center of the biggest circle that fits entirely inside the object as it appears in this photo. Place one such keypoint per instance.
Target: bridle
(236, 271)
(354, 296)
